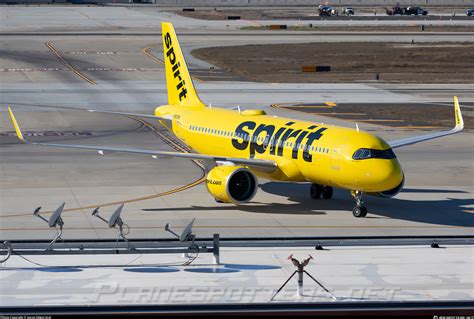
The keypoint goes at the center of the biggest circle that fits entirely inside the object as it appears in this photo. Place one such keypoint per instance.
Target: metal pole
(299, 290)
(282, 286)
(216, 250)
(58, 236)
(321, 285)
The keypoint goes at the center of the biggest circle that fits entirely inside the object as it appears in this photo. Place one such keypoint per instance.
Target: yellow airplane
(242, 145)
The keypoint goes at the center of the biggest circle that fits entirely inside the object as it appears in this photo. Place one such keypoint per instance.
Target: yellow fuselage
(303, 151)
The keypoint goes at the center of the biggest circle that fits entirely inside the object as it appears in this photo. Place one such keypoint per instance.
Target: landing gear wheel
(359, 211)
(327, 192)
(315, 191)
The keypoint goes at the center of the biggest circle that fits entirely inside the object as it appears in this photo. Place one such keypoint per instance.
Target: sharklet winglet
(16, 126)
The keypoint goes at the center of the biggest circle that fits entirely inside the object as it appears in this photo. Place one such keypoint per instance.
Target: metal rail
(278, 241)
(109, 247)
(212, 245)
(425, 308)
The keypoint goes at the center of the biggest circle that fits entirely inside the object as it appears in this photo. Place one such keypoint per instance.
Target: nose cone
(392, 177)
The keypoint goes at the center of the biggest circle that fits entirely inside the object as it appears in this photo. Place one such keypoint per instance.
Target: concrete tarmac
(245, 275)
(437, 198)
(116, 18)
(126, 74)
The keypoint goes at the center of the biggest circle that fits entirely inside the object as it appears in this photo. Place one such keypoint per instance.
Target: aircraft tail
(178, 81)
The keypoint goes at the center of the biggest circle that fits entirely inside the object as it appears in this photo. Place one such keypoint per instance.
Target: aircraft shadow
(253, 207)
(433, 191)
(446, 211)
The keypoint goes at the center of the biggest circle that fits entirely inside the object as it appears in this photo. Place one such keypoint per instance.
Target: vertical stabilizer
(178, 81)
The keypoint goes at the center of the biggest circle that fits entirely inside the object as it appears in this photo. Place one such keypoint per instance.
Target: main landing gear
(359, 209)
(317, 190)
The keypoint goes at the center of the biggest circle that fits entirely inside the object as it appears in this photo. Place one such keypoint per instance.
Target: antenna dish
(187, 232)
(115, 221)
(56, 219)
(115, 218)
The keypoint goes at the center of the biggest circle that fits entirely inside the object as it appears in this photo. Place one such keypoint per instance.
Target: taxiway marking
(67, 64)
(336, 113)
(418, 127)
(168, 141)
(371, 122)
(146, 51)
(380, 120)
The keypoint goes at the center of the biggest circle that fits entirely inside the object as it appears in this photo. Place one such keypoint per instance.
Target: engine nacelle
(231, 184)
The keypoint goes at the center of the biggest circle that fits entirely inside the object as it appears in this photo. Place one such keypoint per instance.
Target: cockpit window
(365, 153)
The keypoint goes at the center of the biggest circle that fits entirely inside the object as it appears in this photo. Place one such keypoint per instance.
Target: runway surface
(115, 18)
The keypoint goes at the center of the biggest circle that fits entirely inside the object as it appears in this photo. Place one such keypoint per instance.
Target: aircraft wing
(129, 114)
(108, 112)
(262, 165)
(416, 139)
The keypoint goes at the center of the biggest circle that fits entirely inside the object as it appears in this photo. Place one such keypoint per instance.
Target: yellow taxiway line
(170, 142)
(71, 67)
(418, 127)
(380, 120)
(336, 113)
(327, 105)
(288, 107)
(146, 51)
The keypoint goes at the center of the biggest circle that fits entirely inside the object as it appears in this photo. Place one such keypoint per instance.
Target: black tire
(327, 192)
(315, 191)
(359, 211)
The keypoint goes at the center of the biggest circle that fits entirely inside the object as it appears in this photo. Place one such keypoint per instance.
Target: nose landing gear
(359, 210)
(317, 190)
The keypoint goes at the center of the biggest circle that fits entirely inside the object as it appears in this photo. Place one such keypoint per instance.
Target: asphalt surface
(437, 198)
(115, 18)
(126, 73)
